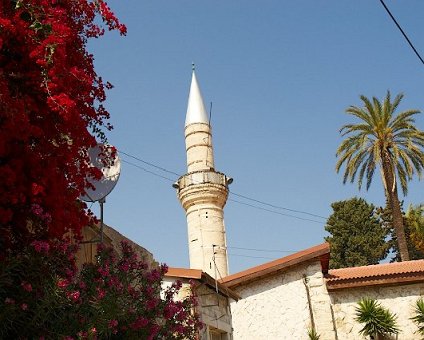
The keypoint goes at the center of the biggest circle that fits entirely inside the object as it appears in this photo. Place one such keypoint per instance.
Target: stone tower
(203, 191)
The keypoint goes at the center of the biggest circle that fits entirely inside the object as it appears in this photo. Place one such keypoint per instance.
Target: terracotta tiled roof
(379, 274)
(321, 251)
(197, 274)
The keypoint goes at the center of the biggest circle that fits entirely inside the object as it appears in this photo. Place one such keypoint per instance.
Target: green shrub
(378, 321)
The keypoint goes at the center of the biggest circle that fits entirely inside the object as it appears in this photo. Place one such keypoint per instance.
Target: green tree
(357, 236)
(384, 140)
(414, 231)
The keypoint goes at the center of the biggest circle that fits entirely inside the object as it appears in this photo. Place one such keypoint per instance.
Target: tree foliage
(51, 111)
(385, 140)
(357, 236)
(42, 295)
(413, 226)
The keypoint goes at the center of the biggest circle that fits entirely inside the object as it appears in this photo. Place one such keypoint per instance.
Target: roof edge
(320, 251)
(203, 277)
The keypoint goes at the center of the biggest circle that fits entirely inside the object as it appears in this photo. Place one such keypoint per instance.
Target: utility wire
(253, 257)
(401, 30)
(148, 171)
(232, 192)
(148, 163)
(274, 212)
(276, 206)
(264, 250)
(230, 199)
(250, 205)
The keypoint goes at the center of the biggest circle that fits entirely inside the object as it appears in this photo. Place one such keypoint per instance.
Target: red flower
(63, 283)
(26, 286)
(112, 323)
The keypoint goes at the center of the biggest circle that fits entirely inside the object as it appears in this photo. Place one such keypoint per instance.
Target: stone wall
(277, 307)
(398, 299)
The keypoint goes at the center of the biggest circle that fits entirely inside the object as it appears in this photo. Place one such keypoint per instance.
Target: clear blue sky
(280, 75)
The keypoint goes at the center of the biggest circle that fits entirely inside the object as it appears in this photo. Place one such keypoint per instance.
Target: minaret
(203, 191)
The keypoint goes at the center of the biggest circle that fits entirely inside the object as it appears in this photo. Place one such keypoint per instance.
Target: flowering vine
(51, 111)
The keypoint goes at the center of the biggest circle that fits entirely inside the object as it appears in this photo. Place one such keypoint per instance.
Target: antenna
(105, 158)
(208, 140)
(210, 114)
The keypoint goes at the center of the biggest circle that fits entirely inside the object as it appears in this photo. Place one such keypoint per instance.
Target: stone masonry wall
(398, 299)
(276, 307)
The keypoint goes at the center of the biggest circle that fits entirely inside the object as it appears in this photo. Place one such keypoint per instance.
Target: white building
(280, 299)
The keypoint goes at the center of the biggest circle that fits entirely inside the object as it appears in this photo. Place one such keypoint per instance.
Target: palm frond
(377, 320)
(359, 113)
(418, 318)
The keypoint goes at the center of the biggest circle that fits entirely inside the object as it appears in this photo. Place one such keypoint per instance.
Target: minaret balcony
(202, 177)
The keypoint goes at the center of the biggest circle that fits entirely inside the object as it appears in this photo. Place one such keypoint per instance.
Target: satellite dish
(105, 158)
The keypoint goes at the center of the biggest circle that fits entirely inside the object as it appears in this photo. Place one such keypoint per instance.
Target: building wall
(398, 299)
(277, 307)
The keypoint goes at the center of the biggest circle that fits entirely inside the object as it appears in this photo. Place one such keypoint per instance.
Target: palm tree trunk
(392, 195)
(398, 225)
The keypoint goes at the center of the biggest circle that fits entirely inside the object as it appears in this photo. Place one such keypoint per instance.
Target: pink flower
(41, 246)
(24, 306)
(103, 271)
(74, 296)
(9, 301)
(100, 293)
(124, 267)
(82, 285)
(152, 303)
(37, 209)
(140, 322)
(113, 323)
(26, 286)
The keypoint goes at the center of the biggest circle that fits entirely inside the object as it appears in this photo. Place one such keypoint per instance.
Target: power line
(148, 171)
(276, 206)
(253, 257)
(151, 164)
(230, 199)
(234, 193)
(263, 250)
(274, 212)
(401, 30)
(256, 207)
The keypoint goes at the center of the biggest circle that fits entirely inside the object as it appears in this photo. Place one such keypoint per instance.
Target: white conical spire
(196, 112)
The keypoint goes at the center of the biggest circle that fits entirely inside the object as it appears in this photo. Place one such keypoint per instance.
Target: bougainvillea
(50, 112)
(118, 297)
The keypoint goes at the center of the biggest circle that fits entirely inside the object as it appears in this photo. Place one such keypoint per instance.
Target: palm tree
(418, 317)
(378, 321)
(385, 140)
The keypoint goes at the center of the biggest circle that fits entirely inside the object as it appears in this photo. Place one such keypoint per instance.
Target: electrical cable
(148, 163)
(276, 206)
(264, 250)
(402, 31)
(274, 212)
(148, 171)
(233, 193)
(253, 257)
(243, 203)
